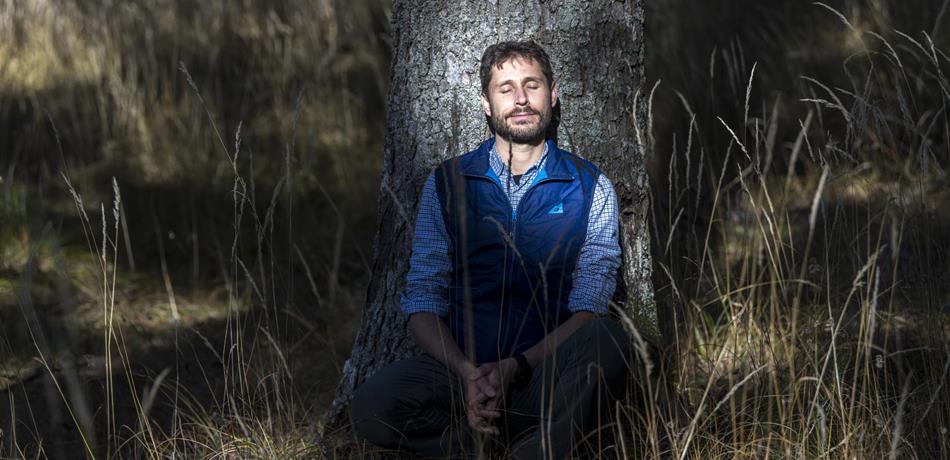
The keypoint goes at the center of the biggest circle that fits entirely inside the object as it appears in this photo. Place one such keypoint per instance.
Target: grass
(164, 271)
(800, 247)
(187, 205)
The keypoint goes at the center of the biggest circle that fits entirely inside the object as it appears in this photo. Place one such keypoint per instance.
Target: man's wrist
(464, 368)
(510, 368)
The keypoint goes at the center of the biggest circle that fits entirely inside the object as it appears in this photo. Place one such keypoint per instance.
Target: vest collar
(554, 168)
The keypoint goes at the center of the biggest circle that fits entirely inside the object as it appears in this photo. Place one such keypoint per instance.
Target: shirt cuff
(411, 306)
(595, 309)
(586, 297)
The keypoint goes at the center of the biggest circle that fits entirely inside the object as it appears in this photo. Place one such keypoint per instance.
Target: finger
(488, 410)
(481, 425)
(479, 399)
(487, 429)
(494, 376)
(480, 372)
(481, 391)
(484, 427)
(474, 420)
(480, 419)
(474, 393)
(495, 379)
(484, 409)
(488, 413)
(486, 387)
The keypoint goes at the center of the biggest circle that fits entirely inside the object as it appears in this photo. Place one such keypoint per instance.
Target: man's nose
(521, 96)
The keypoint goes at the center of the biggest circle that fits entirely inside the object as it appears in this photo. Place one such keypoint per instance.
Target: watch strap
(523, 376)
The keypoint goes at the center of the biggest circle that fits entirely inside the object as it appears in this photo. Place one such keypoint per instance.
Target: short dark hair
(499, 53)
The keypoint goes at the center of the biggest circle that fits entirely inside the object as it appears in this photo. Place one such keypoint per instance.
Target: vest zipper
(513, 215)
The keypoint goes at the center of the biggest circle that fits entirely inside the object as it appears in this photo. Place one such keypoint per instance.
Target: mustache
(522, 112)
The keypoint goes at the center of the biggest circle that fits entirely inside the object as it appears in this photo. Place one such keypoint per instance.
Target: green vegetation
(801, 203)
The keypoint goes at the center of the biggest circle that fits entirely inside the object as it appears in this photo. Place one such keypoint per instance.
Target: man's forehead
(519, 63)
(516, 60)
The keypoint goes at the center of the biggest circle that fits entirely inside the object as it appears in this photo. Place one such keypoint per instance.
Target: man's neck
(522, 155)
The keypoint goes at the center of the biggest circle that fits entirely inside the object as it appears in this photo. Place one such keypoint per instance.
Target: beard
(522, 133)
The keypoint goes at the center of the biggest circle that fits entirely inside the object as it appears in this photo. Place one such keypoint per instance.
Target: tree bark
(597, 51)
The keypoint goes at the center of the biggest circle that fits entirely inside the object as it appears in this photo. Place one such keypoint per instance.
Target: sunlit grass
(41, 47)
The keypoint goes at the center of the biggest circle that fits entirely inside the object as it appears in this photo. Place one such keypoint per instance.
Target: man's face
(519, 101)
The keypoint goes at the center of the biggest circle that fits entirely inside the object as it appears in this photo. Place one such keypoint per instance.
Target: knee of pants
(612, 346)
(368, 414)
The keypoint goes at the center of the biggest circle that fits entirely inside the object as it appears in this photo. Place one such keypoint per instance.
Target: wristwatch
(523, 375)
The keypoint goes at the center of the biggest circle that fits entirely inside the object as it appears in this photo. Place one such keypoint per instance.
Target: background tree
(596, 47)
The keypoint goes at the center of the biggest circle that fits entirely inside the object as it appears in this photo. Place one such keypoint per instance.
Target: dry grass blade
(840, 16)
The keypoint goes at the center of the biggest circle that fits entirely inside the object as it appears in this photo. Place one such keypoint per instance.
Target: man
(514, 260)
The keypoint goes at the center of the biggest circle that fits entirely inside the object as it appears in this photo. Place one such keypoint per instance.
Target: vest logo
(557, 209)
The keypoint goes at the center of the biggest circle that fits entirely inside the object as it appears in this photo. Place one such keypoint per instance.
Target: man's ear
(486, 106)
(553, 94)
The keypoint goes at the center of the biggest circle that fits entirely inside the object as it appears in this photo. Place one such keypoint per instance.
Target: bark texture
(597, 51)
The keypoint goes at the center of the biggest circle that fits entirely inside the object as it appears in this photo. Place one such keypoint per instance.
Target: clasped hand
(485, 387)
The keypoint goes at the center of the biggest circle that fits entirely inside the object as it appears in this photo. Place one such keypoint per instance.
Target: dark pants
(417, 404)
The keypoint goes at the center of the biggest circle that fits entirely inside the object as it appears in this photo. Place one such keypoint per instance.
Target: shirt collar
(501, 169)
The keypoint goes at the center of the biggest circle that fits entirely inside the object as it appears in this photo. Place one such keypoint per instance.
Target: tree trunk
(596, 49)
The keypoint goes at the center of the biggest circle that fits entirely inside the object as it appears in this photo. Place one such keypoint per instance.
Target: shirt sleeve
(595, 277)
(428, 280)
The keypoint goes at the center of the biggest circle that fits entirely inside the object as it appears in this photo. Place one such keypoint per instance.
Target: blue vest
(512, 270)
